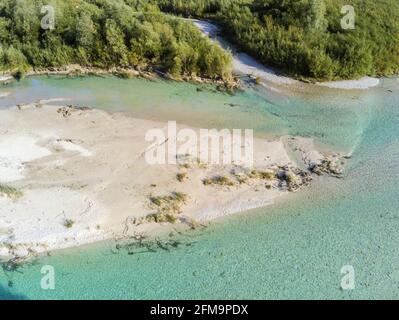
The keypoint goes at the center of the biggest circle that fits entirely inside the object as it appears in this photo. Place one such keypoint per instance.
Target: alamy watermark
(209, 146)
(348, 280)
(48, 20)
(348, 20)
(47, 281)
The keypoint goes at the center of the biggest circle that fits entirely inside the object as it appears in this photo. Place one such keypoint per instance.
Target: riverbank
(126, 73)
(6, 78)
(243, 64)
(82, 176)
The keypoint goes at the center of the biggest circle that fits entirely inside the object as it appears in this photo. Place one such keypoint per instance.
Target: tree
(317, 16)
(85, 31)
(116, 44)
(4, 30)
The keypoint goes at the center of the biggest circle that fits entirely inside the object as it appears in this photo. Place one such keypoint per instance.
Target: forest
(305, 38)
(302, 38)
(105, 34)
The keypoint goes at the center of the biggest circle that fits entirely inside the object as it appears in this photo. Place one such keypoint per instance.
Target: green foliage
(171, 204)
(85, 31)
(68, 223)
(161, 218)
(12, 59)
(317, 16)
(304, 38)
(181, 176)
(10, 192)
(115, 44)
(105, 34)
(218, 180)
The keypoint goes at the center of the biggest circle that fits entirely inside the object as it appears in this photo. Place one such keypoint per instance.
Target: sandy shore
(245, 64)
(72, 176)
(125, 73)
(360, 84)
(5, 78)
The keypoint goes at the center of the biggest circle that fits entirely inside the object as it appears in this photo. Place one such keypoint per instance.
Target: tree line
(305, 37)
(105, 34)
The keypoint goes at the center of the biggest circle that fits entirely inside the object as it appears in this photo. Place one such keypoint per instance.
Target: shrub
(169, 204)
(10, 192)
(68, 223)
(181, 176)
(264, 175)
(218, 180)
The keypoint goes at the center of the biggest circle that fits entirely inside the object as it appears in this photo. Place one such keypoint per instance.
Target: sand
(4, 78)
(360, 84)
(15, 150)
(83, 177)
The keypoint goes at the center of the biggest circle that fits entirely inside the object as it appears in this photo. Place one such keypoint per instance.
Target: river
(293, 249)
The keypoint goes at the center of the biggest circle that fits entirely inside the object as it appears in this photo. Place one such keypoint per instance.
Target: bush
(218, 180)
(68, 223)
(171, 204)
(181, 176)
(10, 192)
(264, 175)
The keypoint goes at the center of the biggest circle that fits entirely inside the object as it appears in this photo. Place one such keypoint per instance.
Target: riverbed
(294, 249)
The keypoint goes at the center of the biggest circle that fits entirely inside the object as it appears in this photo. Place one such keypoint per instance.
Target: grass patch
(10, 192)
(68, 223)
(181, 176)
(169, 204)
(241, 179)
(168, 207)
(240, 174)
(161, 218)
(263, 175)
(201, 165)
(218, 180)
(188, 161)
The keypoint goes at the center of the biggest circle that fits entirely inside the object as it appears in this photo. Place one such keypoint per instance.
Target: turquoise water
(334, 121)
(294, 249)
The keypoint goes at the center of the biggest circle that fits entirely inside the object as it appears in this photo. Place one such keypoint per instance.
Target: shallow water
(294, 249)
(335, 121)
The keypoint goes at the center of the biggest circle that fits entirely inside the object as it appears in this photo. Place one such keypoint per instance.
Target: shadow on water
(6, 294)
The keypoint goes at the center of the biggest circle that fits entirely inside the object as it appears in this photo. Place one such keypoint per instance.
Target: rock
(314, 168)
(330, 166)
(293, 178)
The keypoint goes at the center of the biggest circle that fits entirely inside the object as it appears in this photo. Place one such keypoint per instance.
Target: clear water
(336, 121)
(294, 249)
